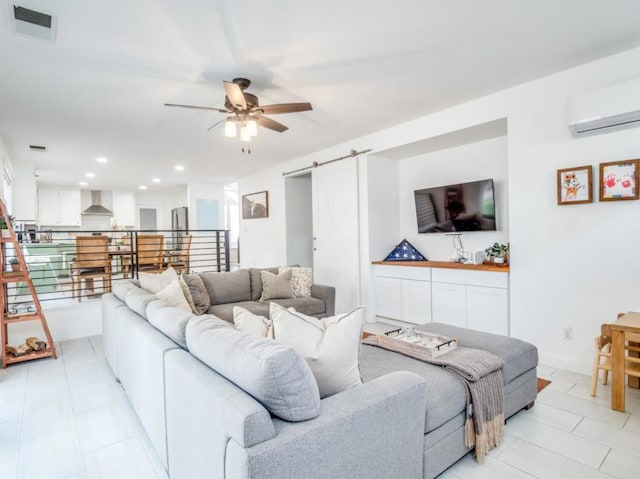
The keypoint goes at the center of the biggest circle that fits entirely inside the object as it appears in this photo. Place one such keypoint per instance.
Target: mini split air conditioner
(606, 109)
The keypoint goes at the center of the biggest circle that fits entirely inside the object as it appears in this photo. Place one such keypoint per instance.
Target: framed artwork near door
(255, 205)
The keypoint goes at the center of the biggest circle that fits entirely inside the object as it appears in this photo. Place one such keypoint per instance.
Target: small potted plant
(15, 264)
(498, 253)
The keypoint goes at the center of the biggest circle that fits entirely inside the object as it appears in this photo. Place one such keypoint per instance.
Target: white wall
(571, 265)
(163, 203)
(475, 161)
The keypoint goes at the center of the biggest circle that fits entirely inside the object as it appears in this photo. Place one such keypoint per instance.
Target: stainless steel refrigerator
(180, 220)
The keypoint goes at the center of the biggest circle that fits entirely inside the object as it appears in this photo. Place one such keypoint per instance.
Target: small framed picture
(255, 205)
(619, 180)
(575, 185)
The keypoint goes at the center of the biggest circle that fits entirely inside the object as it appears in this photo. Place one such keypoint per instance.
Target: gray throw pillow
(272, 372)
(276, 286)
(198, 292)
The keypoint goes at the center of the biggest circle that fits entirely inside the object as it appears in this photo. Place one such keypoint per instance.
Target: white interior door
(336, 246)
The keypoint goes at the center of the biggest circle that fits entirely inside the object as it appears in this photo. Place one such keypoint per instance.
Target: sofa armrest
(375, 430)
(326, 294)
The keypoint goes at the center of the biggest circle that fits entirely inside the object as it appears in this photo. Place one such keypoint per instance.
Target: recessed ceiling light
(179, 167)
(101, 159)
(156, 180)
(83, 183)
(90, 175)
(142, 187)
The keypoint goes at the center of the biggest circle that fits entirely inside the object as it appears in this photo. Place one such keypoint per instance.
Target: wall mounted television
(460, 207)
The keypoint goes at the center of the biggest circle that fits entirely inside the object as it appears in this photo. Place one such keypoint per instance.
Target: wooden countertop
(447, 265)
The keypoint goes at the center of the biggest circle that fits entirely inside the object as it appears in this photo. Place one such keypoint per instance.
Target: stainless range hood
(98, 204)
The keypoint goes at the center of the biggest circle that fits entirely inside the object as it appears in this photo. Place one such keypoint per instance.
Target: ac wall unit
(605, 109)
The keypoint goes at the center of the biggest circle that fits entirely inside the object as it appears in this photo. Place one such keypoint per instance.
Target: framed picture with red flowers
(619, 180)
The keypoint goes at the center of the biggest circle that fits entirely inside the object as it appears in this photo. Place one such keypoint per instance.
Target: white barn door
(336, 245)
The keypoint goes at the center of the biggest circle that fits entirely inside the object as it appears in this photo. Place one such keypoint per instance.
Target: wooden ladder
(14, 277)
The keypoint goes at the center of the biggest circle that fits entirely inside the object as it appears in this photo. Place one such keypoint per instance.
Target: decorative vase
(5, 233)
(498, 260)
(15, 267)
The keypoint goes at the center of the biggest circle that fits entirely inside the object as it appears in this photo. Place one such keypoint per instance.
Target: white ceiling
(364, 65)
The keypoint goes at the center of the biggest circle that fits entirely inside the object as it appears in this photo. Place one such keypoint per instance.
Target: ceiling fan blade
(284, 108)
(198, 107)
(271, 124)
(235, 95)
(216, 124)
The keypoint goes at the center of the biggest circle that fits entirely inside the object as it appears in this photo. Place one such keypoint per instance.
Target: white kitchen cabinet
(403, 294)
(58, 207)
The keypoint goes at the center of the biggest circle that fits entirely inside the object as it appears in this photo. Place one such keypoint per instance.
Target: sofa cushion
(228, 287)
(153, 282)
(329, 345)
(199, 293)
(245, 320)
(256, 281)
(172, 295)
(276, 286)
(268, 370)
(137, 299)
(122, 288)
(308, 305)
(170, 320)
(446, 396)
(518, 356)
(301, 280)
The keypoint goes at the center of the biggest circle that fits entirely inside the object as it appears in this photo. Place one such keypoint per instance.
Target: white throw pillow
(254, 324)
(301, 280)
(156, 282)
(172, 295)
(329, 345)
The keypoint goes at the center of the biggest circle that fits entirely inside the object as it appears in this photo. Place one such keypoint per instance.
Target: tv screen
(461, 207)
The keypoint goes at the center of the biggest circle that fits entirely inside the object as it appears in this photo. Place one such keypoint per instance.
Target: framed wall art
(619, 180)
(255, 205)
(575, 185)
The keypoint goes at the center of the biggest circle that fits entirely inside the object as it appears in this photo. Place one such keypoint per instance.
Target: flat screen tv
(461, 207)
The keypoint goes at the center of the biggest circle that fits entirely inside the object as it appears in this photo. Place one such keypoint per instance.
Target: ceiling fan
(246, 112)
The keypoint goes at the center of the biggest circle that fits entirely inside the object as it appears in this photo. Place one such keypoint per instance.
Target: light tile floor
(70, 419)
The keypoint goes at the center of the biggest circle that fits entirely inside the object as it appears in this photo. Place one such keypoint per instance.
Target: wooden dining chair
(150, 252)
(602, 358)
(91, 262)
(180, 262)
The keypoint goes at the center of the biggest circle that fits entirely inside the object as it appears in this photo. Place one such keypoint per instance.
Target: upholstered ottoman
(446, 397)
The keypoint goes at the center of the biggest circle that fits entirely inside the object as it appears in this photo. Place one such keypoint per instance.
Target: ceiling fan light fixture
(244, 134)
(230, 128)
(252, 127)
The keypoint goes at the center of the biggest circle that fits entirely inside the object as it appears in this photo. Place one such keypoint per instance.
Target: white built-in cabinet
(59, 207)
(403, 293)
(469, 298)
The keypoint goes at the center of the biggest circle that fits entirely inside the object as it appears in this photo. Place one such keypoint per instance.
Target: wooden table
(627, 323)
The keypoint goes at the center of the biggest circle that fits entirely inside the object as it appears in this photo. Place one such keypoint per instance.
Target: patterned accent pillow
(276, 286)
(301, 280)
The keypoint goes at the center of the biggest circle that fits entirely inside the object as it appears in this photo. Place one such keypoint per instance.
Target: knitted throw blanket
(481, 373)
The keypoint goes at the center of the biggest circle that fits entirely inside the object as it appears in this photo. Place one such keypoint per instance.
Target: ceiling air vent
(39, 148)
(35, 24)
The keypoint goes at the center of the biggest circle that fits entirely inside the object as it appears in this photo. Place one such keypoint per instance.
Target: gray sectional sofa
(405, 420)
